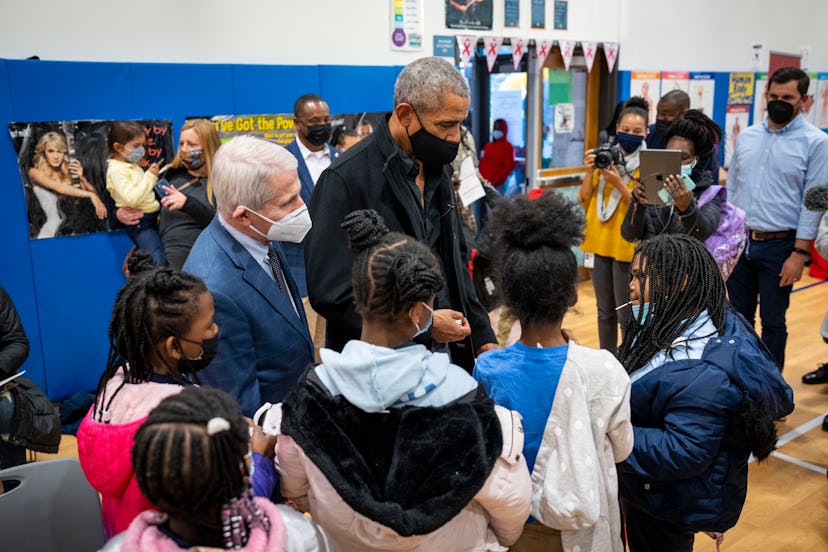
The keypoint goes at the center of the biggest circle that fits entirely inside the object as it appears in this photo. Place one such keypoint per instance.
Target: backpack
(728, 241)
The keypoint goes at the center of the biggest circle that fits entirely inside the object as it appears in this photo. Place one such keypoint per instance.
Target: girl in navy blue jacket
(705, 392)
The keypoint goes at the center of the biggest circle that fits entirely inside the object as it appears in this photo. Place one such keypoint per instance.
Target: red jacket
(498, 159)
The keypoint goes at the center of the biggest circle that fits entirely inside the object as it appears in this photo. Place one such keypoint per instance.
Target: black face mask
(209, 348)
(431, 151)
(318, 134)
(661, 127)
(780, 112)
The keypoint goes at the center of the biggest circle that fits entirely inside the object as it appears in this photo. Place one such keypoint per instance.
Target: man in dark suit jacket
(312, 119)
(264, 344)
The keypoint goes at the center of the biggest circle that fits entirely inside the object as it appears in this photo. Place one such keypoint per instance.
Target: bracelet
(801, 251)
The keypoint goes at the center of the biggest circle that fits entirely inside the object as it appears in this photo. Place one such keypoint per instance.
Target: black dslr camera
(608, 154)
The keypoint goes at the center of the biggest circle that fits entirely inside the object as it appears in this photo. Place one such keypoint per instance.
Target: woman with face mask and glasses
(698, 138)
(605, 195)
(388, 445)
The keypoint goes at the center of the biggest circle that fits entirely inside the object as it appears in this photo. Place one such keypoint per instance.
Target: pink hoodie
(143, 533)
(105, 449)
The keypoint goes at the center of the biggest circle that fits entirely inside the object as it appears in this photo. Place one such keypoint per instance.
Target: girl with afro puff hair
(574, 400)
(387, 444)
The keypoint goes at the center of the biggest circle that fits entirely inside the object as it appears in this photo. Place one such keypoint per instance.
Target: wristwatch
(801, 251)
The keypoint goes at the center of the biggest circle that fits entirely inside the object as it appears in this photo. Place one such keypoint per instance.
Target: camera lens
(603, 159)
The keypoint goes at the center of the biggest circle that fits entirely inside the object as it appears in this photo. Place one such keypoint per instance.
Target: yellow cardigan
(604, 238)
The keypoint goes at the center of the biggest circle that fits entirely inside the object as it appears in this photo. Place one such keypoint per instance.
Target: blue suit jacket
(263, 346)
(295, 252)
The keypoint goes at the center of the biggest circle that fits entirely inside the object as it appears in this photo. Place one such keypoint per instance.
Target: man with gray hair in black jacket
(403, 171)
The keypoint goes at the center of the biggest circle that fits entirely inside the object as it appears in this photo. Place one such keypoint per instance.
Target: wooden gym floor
(787, 500)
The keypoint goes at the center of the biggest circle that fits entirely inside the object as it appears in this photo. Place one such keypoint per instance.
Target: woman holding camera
(605, 195)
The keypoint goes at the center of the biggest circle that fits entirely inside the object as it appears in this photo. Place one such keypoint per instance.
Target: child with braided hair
(192, 461)
(388, 445)
(574, 400)
(161, 333)
(705, 392)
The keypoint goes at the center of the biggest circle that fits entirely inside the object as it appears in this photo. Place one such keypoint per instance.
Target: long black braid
(536, 265)
(155, 303)
(684, 281)
(391, 271)
(183, 469)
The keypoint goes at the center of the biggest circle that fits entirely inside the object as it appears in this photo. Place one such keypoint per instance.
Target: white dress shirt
(258, 251)
(317, 161)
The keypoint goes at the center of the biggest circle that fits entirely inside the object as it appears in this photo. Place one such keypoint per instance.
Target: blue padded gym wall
(64, 288)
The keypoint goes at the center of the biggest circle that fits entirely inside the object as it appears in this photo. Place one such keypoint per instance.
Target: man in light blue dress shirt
(773, 164)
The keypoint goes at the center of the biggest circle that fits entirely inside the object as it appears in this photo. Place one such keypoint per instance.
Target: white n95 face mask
(292, 227)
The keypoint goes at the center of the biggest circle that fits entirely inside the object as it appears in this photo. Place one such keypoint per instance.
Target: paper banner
(465, 45)
(589, 48)
(611, 53)
(567, 49)
(518, 49)
(542, 47)
(491, 44)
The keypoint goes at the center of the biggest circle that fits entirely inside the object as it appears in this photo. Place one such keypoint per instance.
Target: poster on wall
(469, 14)
(810, 105)
(740, 89)
(538, 14)
(406, 24)
(444, 47)
(701, 89)
(674, 80)
(561, 14)
(760, 102)
(822, 107)
(647, 84)
(63, 167)
(511, 13)
(564, 118)
(279, 129)
(736, 120)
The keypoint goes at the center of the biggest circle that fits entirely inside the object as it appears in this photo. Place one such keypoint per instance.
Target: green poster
(560, 86)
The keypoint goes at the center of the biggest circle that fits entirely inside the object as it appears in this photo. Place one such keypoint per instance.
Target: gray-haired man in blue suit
(264, 344)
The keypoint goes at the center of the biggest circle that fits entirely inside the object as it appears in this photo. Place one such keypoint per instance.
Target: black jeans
(648, 534)
(611, 280)
(10, 455)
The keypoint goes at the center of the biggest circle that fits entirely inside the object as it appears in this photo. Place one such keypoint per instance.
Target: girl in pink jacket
(161, 333)
(387, 444)
(192, 459)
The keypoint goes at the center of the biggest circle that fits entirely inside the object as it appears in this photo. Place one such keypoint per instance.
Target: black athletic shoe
(820, 375)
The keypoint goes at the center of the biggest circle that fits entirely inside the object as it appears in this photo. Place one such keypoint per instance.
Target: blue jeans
(755, 279)
(145, 236)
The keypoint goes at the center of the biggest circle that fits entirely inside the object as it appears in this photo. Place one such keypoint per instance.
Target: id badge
(589, 260)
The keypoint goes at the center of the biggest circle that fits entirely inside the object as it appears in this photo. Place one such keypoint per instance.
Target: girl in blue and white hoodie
(388, 445)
